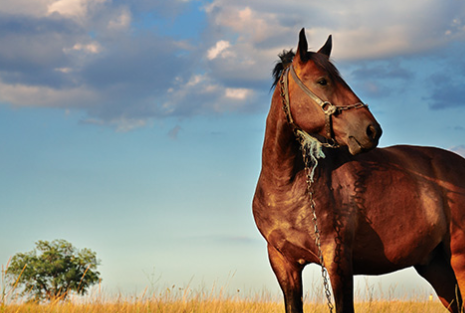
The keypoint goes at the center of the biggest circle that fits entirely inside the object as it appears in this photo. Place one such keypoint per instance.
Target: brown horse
(376, 212)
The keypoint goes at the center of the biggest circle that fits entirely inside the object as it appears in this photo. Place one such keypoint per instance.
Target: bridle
(328, 108)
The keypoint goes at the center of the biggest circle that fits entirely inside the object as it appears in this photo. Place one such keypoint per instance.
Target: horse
(333, 198)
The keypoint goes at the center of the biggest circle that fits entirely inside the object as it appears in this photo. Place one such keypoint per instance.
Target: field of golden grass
(188, 301)
(212, 306)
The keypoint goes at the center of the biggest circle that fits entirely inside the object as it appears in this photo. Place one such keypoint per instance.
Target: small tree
(54, 269)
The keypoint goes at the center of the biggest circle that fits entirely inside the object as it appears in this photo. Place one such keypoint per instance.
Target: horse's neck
(281, 157)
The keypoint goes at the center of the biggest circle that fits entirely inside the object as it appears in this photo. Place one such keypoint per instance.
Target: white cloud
(93, 47)
(218, 49)
(238, 93)
(361, 28)
(25, 7)
(27, 95)
(124, 124)
(201, 94)
(76, 9)
(77, 53)
(251, 25)
(194, 80)
(68, 8)
(121, 21)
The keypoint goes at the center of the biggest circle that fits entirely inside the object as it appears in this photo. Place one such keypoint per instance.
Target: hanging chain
(309, 169)
(310, 162)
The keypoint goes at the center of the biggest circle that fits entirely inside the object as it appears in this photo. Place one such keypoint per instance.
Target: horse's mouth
(354, 146)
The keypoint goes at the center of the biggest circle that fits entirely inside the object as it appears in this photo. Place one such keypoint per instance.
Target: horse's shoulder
(430, 161)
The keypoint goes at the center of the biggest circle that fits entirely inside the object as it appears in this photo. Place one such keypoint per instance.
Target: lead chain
(309, 179)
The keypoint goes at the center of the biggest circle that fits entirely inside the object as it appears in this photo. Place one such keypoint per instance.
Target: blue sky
(135, 128)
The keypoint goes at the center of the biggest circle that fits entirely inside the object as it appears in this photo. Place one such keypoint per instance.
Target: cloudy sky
(134, 128)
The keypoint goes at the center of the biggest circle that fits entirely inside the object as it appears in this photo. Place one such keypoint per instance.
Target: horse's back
(444, 167)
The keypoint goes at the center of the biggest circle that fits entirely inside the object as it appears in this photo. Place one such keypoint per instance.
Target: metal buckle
(330, 109)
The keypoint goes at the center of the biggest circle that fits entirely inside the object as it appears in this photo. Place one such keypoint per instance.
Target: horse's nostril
(372, 132)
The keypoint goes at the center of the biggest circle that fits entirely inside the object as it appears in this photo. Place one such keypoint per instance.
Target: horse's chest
(283, 211)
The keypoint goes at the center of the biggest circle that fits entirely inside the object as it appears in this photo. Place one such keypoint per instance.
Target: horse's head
(322, 103)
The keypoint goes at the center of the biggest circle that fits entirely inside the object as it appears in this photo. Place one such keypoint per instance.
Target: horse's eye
(322, 81)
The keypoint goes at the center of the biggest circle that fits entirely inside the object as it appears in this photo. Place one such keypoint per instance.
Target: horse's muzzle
(365, 141)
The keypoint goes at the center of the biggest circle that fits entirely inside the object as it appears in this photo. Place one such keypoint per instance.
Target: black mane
(286, 60)
(320, 60)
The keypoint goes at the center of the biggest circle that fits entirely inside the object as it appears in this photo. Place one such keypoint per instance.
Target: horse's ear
(303, 46)
(326, 49)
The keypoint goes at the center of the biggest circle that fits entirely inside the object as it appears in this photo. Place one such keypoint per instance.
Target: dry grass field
(211, 306)
(187, 301)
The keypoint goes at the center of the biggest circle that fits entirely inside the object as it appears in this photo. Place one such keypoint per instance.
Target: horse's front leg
(289, 276)
(339, 265)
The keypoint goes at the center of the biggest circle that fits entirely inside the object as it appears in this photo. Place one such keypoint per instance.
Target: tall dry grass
(187, 300)
(211, 306)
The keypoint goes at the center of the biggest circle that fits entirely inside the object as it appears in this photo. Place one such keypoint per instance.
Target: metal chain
(309, 179)
(309, 167)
